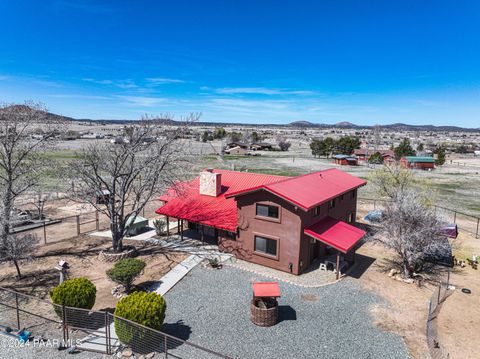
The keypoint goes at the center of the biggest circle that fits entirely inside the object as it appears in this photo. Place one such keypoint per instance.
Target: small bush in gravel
(125, 271)
(76, 292)
(144, 308)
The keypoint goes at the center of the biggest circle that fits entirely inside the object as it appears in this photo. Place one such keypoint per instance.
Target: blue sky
(247, 61)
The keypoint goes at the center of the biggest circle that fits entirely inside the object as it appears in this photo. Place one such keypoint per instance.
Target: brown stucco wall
(293, 246)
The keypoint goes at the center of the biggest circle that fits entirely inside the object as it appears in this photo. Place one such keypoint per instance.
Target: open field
(453, 186)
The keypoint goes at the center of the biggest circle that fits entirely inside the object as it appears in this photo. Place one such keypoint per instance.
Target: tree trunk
(19, 275)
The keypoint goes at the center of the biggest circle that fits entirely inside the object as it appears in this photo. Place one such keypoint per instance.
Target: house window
(316, 211)
(264, 210)
(341, 197)
(266, 245)
(331, 203)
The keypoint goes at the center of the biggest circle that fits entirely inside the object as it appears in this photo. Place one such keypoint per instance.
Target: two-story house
(276, 221)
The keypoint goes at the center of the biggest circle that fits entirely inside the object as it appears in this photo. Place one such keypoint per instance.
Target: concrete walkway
(198, 252)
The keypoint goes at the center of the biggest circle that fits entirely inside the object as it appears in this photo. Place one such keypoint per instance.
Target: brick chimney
(210, 183)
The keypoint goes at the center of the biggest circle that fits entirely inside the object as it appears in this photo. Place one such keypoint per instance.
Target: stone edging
(115, 257)
(284, 280)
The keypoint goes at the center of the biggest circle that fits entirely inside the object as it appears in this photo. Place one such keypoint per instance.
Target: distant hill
(302, 124)
(305, 124)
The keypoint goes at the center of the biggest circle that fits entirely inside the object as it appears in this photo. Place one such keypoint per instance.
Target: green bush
(125, 271)
(76, 292)
(144, 308)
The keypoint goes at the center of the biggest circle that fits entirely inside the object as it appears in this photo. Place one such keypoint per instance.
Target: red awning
(335, 233)
(266, 289)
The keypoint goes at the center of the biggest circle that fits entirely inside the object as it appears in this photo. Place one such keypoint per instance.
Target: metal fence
(464, 221)
(439, 295)
(55, 229)
(87, 330)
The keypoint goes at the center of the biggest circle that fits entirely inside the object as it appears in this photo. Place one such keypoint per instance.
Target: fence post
(18, 312)
(107, 334)
(455, 216)
(44, 232)
(478, 223)
(78, 225)
(97, 224)
(439, 290)
(64, 325)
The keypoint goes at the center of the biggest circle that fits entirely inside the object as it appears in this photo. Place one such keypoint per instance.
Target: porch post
(181, 231)
(168, 227)
(201, 232)
(178, 226)
(338, 265)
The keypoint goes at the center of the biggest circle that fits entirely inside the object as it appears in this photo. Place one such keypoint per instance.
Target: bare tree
(283, 144)
(18, 247)
(412, 230)
(126, 176)
(21, 165)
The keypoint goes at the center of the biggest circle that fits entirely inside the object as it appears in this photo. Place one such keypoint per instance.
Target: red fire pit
(264, 305)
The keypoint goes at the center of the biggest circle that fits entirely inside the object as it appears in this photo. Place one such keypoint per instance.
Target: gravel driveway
(211, 308)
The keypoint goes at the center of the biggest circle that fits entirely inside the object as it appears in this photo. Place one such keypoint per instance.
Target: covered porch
(338, 239)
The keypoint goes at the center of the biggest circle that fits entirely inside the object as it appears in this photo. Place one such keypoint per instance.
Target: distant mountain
(302, 124)
(345, 124)
(305, 124)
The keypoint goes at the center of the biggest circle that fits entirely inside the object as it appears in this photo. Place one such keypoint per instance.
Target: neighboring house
(276, 221)
(236, 151)
(421, 163)
(363, 154)
(261, 146)
(237, 144)
(345, 160)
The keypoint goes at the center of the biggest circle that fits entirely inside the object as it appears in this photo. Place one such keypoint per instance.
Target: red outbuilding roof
(312, 189)
(335, 233)
(185, 201)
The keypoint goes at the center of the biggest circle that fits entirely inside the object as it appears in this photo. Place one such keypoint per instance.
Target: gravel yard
(211, 308)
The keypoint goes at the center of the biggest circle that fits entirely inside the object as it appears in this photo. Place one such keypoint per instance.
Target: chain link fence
(60, 228)
(439, 295)
(465, 222)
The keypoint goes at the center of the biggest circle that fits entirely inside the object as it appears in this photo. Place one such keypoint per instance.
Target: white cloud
(143, 101)
(261, 91)
(80, 96)
(123, 84)
(162, 80)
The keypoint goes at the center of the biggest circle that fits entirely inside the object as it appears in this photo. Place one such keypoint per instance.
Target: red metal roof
(266, 289)
(185, 202)
(335, 233)
(312, 189)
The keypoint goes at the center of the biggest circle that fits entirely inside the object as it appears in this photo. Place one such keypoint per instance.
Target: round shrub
(125, 271)
(144, 308)
(76, 292)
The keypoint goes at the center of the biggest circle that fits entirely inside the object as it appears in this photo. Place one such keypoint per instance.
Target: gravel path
(211, 308)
